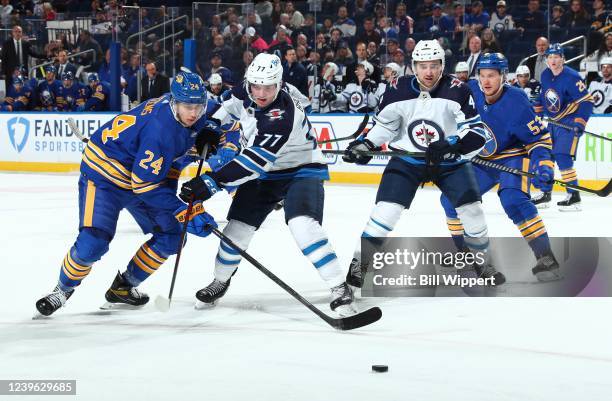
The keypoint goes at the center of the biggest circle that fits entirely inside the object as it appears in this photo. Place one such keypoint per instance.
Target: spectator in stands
(294, 72)
(104, 70)
(408, 48)
(216, 66)
(403, 23)
(369, 34)
(537, 62)
(500, 20)
(253, 40)
(302, 55)
(233, 38)
(478, 18)
(465, 46)
(284, 21)
(6, 9)
(130, 76)
(302, 40)
(263, 9)
(448, 7)
(360, 10)
(577, 17)
(219, 46)
(344, 56)
(15, 53)
(534, 20)
(558, 17)
(386, 30)
(281, 43)
(475, 52)
(307, 29)
(455, 21)
(153, 84)
(435, 22)
(361, 55)
(335, 39)
(604, 50)
(86, 42)
(423, 12)
(328, 25)
(387, 56)
(462, 71)
(48, 12)
(296, 19)
(400, 59)
(489, 41)
(63, 65)
(321, 44)
(247, 57)
(25, 8)
(601, 16)
(344, 23)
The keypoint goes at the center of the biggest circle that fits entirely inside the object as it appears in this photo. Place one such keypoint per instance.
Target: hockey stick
(76, 130)
(344, 323)
(603, 192)
(354, 135)
(162, 303)
(558, 124)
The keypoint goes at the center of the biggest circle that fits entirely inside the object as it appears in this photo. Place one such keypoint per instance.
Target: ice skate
(342, 300)
(571, 203)
(47, 305)
(487, 271)
(542, 200)
(209, 295)
(353, 276)
(547, 269)
(121, 295)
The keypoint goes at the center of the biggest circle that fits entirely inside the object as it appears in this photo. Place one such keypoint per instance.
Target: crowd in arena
(338, 54)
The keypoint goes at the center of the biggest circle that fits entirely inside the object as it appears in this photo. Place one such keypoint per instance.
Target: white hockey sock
(228, 258)
(312, 240)
(382, 221)
(474, 226)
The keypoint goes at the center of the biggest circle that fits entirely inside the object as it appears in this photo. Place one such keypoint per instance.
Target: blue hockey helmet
(18, 81)
(188, 87)
(50, 68)
(67, 76)
(493, 61)
(93, 77)
(555, 48)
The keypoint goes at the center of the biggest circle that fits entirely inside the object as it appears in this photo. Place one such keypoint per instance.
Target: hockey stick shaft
(558, 124)
(348, 323)
(76, 130)
(354, 135)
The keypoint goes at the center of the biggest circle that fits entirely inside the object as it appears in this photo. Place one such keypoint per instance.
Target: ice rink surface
(260, 344)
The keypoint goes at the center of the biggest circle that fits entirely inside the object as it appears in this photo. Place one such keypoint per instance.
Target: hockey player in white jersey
(601, 89)
(280, 161)
(391, 73)
(326, 96)
(360, 93)
(433, 113)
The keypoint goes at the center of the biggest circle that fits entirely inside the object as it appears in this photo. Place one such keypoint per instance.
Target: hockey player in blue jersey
(429, 112)
(131, 163)
(98, 95)
(564, 98)
(71, 94)
(282, 161)
(47, 89)
(516, 138)
(18, 96)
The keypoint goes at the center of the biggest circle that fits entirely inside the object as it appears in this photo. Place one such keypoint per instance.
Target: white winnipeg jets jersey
(602, 96)
(410, 119)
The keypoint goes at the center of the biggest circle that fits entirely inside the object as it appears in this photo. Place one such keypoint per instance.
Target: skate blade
(199, 305)
(548, 276)
(572, 208)
(119, 306)
(346, 310)
(541, 206)
(40, 316)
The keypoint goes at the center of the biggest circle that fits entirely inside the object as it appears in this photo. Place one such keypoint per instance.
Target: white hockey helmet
(523, 70)
(462, 66)
(265, 69)
(395, 68)
(607, 60)
(369, 68)
(427, 50)
(215, 79)
(331, 70)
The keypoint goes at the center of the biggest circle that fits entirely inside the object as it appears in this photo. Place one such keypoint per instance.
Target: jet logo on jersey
(356, 99)
(598, 97)
(553, 101)
(275, 114)
(423, 132)
(18, 129)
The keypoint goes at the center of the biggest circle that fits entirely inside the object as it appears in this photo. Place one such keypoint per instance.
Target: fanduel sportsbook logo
(18, 129)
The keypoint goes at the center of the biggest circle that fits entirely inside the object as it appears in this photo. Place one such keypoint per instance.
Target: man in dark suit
(475, 46)
(63, 65)
(537, 63)
(153, 84)
(15, 53)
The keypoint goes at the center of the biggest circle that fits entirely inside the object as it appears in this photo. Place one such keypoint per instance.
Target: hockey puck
(380, 368)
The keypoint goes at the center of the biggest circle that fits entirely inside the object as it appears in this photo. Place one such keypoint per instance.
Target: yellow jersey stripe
(90, 200)
(152, 254)
(100, 153)
(148, 188)
(101, 171)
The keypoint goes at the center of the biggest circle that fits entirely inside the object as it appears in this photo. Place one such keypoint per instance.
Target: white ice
(260, 344)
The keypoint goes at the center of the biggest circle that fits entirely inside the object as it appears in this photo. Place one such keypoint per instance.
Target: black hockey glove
(199, 188)
(207, 136)
(443, 150)
(329, 95)
(351, 154)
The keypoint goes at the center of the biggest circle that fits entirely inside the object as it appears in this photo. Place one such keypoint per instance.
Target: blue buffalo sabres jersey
(98, 98)
(410, 119)
(565, 97)
(514, 128)
(19, 100)
(280, 142)
(137, 150)
(46, 92)
(68, 99)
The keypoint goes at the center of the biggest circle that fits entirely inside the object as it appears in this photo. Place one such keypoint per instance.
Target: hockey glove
(545, 174)
(223, 156)
(200, 223)
(351, 154)
(578, 128)
(443, 150)
(206, 136)
(200, 188)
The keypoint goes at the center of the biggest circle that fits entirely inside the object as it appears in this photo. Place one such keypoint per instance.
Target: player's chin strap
(173, 105)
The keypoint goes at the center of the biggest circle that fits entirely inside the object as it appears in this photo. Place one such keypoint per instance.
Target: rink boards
(43, 142)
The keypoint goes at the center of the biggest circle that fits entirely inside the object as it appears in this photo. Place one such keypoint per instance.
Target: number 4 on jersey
(120, 123)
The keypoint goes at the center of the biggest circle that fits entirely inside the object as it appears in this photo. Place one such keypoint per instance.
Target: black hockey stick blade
(354, 135)
(345, 323)
(356, 321)
(605, 191)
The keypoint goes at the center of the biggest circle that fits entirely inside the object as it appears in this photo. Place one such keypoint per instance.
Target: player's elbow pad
(471, 142)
